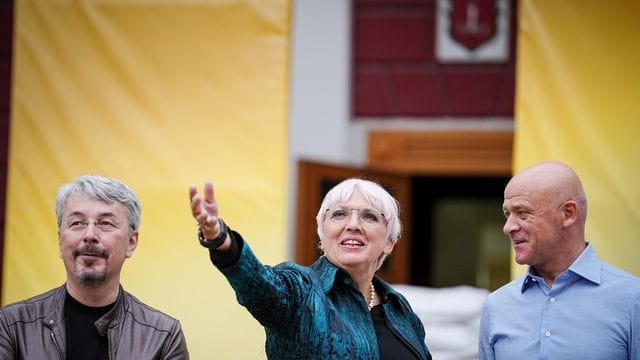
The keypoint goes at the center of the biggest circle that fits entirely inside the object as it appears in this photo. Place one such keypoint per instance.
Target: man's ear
(570, 213)
(133, 243)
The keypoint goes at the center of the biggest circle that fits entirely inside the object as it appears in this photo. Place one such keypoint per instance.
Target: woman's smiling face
(355, 242)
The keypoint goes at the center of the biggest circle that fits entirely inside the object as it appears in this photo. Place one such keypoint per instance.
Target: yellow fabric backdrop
(159, 94)
(578, 92)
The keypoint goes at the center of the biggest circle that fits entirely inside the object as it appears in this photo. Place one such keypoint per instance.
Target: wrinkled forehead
(83, 204)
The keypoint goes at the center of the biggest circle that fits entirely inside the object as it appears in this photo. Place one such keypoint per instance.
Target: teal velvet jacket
(316, 312)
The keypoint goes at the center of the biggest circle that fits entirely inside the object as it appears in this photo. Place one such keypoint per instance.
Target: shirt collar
(586, 266)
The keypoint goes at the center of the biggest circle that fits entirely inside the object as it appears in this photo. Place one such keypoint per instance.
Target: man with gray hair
(91, 316)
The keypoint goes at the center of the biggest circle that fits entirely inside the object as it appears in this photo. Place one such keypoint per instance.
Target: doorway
(457, 234)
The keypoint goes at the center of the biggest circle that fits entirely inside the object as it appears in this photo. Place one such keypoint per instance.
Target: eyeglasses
(368, 217)
(80, 225)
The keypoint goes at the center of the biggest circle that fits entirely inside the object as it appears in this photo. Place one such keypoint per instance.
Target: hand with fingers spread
(213, 232)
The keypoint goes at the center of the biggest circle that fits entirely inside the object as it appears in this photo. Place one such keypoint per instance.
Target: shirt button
(552, 300)
(547, 334)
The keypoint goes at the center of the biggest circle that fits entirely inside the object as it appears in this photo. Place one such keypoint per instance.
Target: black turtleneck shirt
(83, 339)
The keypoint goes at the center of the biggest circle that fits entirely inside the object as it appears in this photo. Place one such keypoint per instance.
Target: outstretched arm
(271, 295)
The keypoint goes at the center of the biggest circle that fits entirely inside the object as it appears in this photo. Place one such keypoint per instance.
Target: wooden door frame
(441, 152)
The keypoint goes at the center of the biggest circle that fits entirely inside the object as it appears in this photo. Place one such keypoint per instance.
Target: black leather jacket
(35, 329)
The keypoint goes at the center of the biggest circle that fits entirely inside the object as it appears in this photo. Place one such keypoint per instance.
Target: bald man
(570, 304)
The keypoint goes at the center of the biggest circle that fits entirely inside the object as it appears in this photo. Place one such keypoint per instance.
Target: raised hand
(205, 211)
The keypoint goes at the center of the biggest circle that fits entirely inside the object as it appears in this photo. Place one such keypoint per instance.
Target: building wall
(369, 64)
(396, 72)
(6, 35)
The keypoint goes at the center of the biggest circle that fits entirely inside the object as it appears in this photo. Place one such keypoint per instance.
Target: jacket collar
(328, 273)
(55, 318)
(113, 316)
(110, 319)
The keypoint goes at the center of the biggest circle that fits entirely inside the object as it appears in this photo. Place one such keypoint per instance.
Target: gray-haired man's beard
(91, 277)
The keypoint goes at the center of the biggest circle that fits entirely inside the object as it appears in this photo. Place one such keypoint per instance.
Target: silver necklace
(372, 296)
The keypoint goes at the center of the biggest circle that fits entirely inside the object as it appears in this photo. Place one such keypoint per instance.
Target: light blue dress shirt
(592, 311)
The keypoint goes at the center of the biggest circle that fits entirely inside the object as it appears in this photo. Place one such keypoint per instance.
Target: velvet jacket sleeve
(271, 295)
